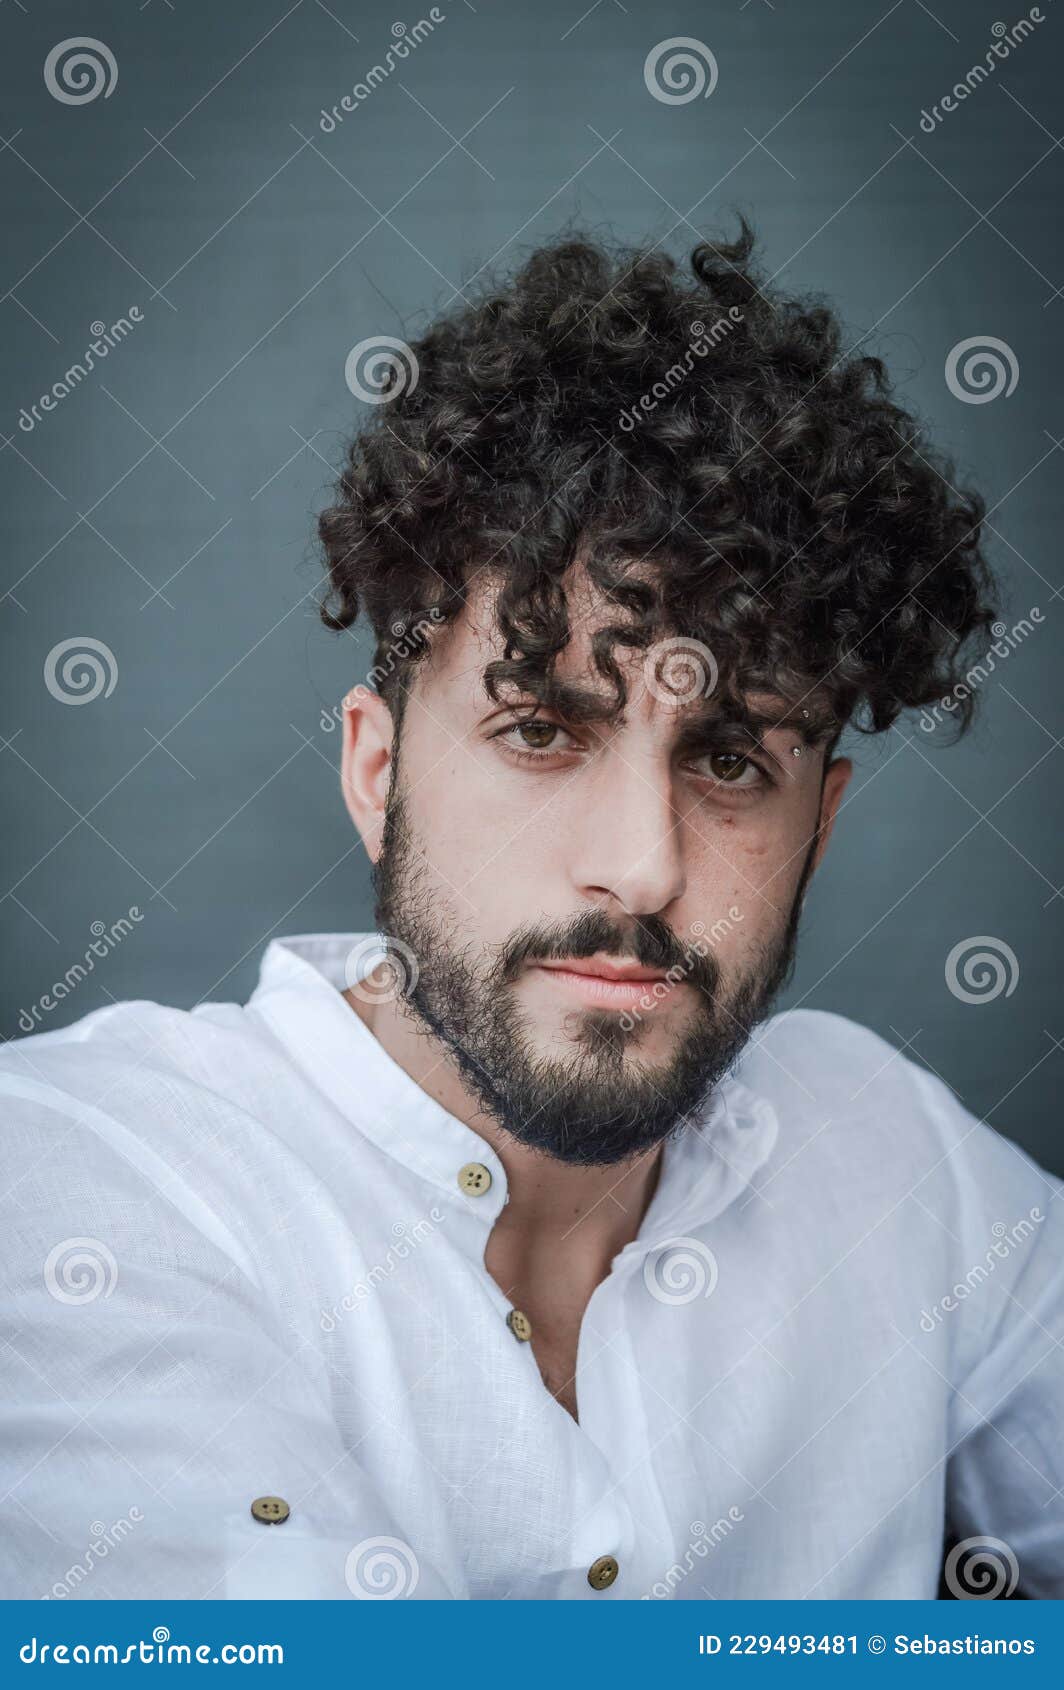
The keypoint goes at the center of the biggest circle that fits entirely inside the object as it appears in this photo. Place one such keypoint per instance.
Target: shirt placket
(612, 1418)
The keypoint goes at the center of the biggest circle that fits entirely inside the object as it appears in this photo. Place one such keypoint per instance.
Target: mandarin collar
(299, 997)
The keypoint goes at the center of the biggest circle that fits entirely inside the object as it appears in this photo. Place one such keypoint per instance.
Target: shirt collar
(299, 997)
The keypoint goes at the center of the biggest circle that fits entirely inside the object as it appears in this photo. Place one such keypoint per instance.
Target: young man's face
(600, 911)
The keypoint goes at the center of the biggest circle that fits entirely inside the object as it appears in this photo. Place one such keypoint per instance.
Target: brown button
(474, 1179)
(271, 1510)
(601, 1573)
(519, 1325)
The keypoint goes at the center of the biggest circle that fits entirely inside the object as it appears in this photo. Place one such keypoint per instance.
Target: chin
(645, 1043)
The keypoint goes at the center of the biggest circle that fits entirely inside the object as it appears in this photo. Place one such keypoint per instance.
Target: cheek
(491, 852)
(750, 863)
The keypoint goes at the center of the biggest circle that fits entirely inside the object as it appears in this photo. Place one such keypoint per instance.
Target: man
(518, 1250)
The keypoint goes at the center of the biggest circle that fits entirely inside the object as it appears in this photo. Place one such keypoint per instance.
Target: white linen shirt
(239, 1261)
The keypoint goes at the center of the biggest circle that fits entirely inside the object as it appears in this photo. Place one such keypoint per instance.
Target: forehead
(675, 679)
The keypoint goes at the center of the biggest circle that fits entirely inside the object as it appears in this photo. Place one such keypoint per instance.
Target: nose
(629, 845)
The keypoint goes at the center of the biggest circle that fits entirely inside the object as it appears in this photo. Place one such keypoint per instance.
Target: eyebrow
(755, 724)
(583, 706)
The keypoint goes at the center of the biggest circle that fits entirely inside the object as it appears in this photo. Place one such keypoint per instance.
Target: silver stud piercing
(796, 751)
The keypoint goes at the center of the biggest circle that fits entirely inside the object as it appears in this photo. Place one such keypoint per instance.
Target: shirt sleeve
(1005, 1471)
(151, 1393)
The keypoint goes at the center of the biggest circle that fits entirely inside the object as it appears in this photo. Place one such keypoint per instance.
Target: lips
(606, 968)
(607, 982)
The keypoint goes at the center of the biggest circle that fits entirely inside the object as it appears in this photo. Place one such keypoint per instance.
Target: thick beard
(600, 1105)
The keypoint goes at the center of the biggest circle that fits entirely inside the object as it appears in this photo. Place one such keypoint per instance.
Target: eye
(535, 739)
(731, 768)
(537, 734)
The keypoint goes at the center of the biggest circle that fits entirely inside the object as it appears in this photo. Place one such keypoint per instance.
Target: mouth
(607, 982)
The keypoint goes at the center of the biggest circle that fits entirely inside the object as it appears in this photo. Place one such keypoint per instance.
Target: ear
(836, 780)
(366, 764)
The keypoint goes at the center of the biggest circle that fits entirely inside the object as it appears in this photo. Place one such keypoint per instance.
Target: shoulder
(141, 1048)
(138, 1028)
(853, 1105)
(884, 1187)
(814, 1063)
(149, 1117)
(823, 1043)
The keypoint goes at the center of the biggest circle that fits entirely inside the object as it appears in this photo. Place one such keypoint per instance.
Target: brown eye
(536, 734)
(728, 766)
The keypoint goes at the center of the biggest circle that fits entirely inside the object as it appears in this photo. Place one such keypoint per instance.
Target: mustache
(647, 939)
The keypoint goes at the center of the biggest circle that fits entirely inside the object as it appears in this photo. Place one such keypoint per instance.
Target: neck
(586, 1214)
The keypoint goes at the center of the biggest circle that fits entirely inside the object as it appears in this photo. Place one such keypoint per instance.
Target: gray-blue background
(166, 507)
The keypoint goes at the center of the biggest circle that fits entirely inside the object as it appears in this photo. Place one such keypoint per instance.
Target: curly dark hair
(718, 465)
